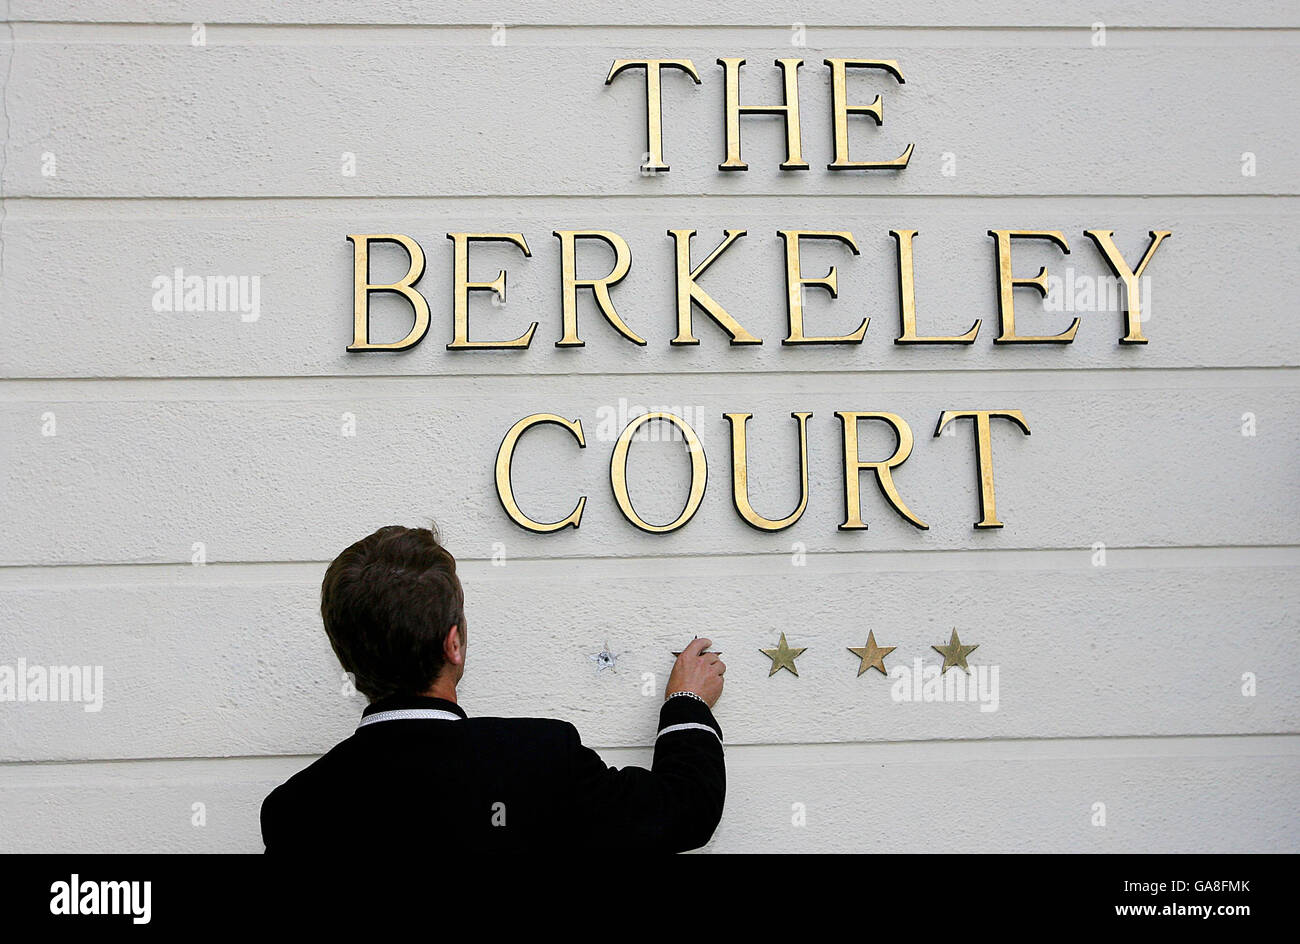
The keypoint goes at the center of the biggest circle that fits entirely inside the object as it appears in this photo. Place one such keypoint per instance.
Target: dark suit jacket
(460, 784)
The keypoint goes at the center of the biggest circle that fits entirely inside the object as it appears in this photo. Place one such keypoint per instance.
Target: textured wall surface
(175, 482)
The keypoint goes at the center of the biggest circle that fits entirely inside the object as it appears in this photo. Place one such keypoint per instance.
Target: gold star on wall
(782, 657)
(955, 653)
(872, 656)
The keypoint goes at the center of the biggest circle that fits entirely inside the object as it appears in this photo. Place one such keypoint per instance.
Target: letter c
(505, 457)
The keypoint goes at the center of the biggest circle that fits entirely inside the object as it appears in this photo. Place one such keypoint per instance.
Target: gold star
(872, 656)
(782, 657)
(955, 653)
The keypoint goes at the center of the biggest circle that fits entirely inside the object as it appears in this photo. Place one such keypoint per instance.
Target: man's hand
(697, 671)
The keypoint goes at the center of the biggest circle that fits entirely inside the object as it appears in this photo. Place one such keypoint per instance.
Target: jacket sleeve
(672, 807)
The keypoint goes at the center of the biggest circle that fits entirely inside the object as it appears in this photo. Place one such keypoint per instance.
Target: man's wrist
(687, 694)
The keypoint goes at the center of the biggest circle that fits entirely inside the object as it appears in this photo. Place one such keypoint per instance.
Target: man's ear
(453, 647)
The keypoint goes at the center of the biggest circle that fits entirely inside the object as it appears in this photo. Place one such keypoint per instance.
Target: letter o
(618, 472)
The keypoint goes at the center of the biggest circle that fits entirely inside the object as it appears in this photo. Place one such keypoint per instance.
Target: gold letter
(984, 457)
(740, 473)
(600, 287)
(653, 102)
(506, 456)
(688, 291)
(463, 286)
(853, 466)
(362, 287)
(840, 111)
(907, 298)
(618, 472)
(789, 110)
(794, 283)
(1132, 288)
(1007, 285)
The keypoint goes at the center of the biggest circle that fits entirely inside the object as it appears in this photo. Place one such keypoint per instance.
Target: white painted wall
(1118, 684)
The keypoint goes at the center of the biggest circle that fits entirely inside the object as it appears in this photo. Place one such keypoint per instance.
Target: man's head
(395, 613)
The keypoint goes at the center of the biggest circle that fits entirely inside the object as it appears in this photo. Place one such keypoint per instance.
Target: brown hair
(388, 602)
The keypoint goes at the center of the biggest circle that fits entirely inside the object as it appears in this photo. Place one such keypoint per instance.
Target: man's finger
(697, 646)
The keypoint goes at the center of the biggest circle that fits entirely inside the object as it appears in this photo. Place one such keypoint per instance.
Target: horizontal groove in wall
(385, 386)
(24, 205)
(774, 562)
(826, 754)
(522, 32)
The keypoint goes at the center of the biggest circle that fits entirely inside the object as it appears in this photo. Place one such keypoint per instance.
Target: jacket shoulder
(547, 728)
